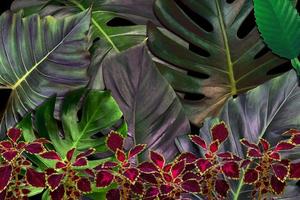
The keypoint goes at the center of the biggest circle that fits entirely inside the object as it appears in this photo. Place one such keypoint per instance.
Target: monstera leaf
(41, 57)
(151, 109)
(105, 14)
(264, 112)
(223, 59)
(99, 112)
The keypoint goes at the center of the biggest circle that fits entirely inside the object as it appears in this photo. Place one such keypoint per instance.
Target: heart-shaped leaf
(264, 112)
(218, 54)
(150, 106)
(41, 57)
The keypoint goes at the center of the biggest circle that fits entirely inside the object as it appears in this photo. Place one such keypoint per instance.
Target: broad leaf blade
(279, 24)
(150, 106)
(215, 63)
(264, 112)
(41, 57)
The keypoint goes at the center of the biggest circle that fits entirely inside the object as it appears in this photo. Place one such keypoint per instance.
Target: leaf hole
(198, 75)
(230, 1)
(4, 96)
(117, 21)
(247, 25)
(280, 69)
(193, 96)
(198, 19)
(262, 52)
(298, 6)
(199, 50)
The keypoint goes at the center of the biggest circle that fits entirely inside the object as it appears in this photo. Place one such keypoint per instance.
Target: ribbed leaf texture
(279, 24)
(41, 57)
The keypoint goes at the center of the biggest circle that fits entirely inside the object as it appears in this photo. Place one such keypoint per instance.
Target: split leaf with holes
(99, 112)
(279, 25)
(219, 53)
(41, 57)
(151, 108)
(264, 112)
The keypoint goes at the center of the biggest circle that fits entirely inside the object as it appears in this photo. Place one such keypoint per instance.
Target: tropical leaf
(99, 112)
(105, 13)
(279, 25)
(151, 109)
(41, 57)
(264, 112)
(214, 58)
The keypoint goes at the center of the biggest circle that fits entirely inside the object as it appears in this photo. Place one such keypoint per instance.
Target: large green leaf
(264, 112)
(99, 112)
(221, 60)
(40, 57)
(279, 24)
(151, 109)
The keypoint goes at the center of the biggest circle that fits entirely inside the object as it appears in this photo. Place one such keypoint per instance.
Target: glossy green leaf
(264, 112)
(40, 57)
(151, 109)
(99, 112)
(279, 24)
(210, 60)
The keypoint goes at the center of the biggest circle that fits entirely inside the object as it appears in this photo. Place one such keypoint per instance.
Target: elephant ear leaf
(151, 109)
(279, 25)
(41, 57)
(217, 52)
(264, 112)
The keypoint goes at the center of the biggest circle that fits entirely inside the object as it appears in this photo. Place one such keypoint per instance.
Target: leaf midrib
(97, 25)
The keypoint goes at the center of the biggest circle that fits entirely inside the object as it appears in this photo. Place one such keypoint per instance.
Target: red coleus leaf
(60, 165)
(219, 132)
(104, 178)
(214, 147)
(54, 180)
(70, 154)
(221, 187)
(21, 145)
(106, 165)
(251, 176)
(274, 155)
(248, 144)
(80, 162)
(295, 139)
(295, 171)
(225, 155)
(150, 178)
(34, 178)
(136, 150)
(254, 153)
(86, 153)
(203, 165)
(58, 194)
(84, 185)
(188, 157)
(147, 167)
(120, 155)
(198, 141)
(177, 168)
(292, 132)
(231, 170)
(167, 168)
(265, 144)
(152, 192)
(9, 155)
(165, 189)
(14, 134)
(51, 155)
(42, 140)
(5, 176)
(191, 186)
(5, 144)
(280, 171)
(190, 175)
(35, 148)
(276, 185)
(114, 141)
(3, 195)
(137, 188)
(131, 174)
(167, 177)
(113, 194)
(157, 159)
(245, 163)
(284, 146)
